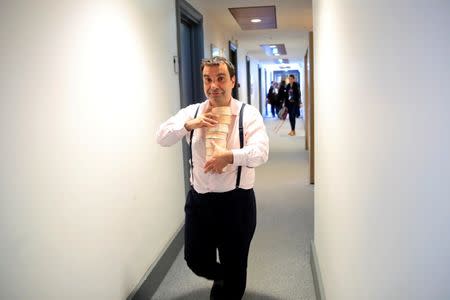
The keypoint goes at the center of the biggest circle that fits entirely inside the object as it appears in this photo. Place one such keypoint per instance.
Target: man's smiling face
(217, 84)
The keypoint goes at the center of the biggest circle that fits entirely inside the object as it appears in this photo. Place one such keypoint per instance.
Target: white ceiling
(294, 20)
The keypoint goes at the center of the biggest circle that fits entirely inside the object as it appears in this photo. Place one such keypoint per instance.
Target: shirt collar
(234, 104)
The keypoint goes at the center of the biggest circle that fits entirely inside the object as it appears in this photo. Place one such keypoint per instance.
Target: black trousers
(292, 110)
(273, 109)
(225, 222)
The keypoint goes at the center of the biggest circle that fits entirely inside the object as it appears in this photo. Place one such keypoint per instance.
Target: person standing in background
(282, 95)
(220, 209)
(292, 101)
(272, 98)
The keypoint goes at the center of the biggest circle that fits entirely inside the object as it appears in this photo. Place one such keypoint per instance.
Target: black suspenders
(241, 142)
(190, 145)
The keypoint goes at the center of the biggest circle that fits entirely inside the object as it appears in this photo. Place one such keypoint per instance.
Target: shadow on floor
(204, 294)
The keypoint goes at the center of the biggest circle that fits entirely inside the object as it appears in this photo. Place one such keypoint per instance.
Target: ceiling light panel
(281, 61)
(274, 49)
(244, 15)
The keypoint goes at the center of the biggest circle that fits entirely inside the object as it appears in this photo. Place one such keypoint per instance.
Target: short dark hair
(292, 76)
(217, 60)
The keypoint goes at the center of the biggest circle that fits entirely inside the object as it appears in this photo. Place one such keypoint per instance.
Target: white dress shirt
(254, 153)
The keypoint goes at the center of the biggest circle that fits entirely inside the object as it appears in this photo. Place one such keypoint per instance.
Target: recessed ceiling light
(272, 46)
(255, 20)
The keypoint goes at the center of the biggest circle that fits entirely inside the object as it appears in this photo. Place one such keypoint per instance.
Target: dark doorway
(186, 64)
(261, 94)
(266, 90)
(233, 58)
(190, 54)
(249, 82)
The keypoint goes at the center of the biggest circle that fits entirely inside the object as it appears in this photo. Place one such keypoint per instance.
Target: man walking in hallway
(228, 140)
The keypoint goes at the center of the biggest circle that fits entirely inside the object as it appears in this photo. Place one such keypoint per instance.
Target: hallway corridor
(279, 261)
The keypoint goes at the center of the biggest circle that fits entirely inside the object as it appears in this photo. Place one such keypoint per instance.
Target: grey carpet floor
(279, 260)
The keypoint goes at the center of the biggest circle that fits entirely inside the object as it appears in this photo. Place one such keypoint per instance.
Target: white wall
(382, 210)
(88, 200)
(242, 78)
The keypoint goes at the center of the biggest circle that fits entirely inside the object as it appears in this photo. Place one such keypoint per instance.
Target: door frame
(260, 96)
(249, 78)
(232, 50)
(187, 13)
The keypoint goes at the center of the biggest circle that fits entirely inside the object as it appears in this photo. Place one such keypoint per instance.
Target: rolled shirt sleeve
(173, 130)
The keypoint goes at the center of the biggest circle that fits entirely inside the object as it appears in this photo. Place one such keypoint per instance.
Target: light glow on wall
(110, 76)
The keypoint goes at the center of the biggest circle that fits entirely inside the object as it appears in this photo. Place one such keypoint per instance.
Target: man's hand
(220, 159)
(207, 119)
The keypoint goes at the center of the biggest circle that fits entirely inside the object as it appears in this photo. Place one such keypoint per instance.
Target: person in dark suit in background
(282, 95)
(292, 101)
(272, 98)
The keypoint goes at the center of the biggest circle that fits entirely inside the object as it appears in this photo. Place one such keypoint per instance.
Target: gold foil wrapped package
(221, 110)
(218, 128)
(218, 133)
(224, 119)
(219, 142)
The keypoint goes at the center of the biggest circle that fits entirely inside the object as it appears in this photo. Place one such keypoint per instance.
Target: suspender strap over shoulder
(241, 142)
(190, 140)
